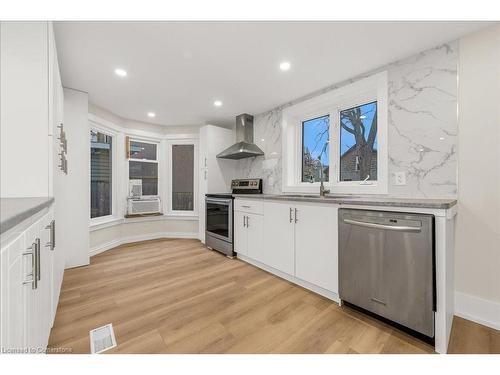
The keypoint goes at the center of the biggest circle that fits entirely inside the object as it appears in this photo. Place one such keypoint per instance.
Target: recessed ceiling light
(120, 72)
(285, 65)
(217, 103)
(151, 114)
(362, 117)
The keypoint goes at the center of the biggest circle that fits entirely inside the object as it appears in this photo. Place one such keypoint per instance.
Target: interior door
(278, 249)
(316, 252)
(240, 233)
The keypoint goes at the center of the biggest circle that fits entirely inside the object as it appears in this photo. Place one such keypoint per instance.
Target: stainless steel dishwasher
(386, 266)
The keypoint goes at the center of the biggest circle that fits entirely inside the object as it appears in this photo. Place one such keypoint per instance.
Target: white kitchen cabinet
(295, 240)
(316, 245)
(215, 174)
(278, 249)
(255, 236)
(248, 234)
(240, 233)
(28, 310)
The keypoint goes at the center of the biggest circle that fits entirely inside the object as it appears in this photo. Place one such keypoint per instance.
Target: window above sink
(341, 135)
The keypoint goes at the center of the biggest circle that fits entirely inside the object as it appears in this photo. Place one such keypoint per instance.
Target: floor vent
(102, 339)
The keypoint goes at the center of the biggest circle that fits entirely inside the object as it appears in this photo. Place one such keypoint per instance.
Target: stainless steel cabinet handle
(244, 221)
(38, 262)
(378, 301)
(52, 227)
(245, 206)
(399, 228)
(291, 218)
(31, 274)
(248, 222)
(296, 215)
(34, 264)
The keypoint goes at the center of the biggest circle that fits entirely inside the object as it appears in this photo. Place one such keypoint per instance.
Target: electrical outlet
(400, 178)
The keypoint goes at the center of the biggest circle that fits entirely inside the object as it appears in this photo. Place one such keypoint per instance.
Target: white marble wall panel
(422, 127)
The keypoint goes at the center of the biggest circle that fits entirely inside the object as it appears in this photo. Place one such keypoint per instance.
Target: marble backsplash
(422, 127)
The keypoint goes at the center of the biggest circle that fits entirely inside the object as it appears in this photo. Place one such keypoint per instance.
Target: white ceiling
(178, 69)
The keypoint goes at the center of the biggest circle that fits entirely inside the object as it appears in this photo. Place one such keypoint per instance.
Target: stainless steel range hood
(244, 146)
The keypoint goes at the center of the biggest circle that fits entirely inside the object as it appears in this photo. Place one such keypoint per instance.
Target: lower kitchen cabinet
(240, 233)
(316, 245)
(30, 285)
(255, 233)
(278, 249)
(298, 239)
(248, 232)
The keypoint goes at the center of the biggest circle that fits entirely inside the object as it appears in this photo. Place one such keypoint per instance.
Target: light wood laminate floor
(176, 296)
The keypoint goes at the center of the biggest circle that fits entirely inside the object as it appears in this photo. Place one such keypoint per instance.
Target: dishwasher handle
(399, 228)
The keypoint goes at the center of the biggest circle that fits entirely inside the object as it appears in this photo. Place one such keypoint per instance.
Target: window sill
(108, 222)
(160, 217)
(116, 220)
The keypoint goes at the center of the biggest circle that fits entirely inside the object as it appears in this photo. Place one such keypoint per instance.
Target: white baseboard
(151, 236)
(307, 285)
(478, 310)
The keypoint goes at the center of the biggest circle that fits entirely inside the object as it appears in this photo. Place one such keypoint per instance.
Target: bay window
(101, 174)
(182, 176)
(143, 165)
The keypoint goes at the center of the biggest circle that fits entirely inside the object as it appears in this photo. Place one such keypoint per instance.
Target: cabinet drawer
(249, 205)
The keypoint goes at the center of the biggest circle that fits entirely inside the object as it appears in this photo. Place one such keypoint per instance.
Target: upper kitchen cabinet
(31, 105)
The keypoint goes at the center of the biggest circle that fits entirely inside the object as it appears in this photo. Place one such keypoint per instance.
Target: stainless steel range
(219, 214)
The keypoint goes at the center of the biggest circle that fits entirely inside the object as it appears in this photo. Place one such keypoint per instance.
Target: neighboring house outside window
(101, 173)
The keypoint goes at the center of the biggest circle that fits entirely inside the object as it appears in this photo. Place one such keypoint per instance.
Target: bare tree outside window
(358, 143)
(315, 138)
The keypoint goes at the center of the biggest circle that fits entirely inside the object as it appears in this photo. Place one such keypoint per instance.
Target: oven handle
(219, 200)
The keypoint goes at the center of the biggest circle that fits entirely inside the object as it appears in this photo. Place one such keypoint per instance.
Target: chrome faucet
(322, 190)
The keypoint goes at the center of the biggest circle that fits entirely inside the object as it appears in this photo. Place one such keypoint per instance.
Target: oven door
(219, 218)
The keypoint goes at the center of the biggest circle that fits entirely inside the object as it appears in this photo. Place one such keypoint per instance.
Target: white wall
(72, 190)
(139, 230)
(24, 97)
(478, 221)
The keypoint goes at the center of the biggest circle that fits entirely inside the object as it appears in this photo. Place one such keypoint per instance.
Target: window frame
(363, 91)
(182, 141)
(114, 168)
(157, 161)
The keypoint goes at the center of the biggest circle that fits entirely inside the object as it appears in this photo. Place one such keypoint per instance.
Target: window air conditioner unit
(135, 188)
(142, 206)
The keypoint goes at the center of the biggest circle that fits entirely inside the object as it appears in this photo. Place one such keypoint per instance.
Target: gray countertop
(357, 200)
(13, 211)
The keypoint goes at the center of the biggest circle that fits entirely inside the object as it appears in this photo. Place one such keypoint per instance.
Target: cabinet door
(31, 296)
(278, 251)
(240, 233)
(46, 279)
(316, 245)
(255, 234)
